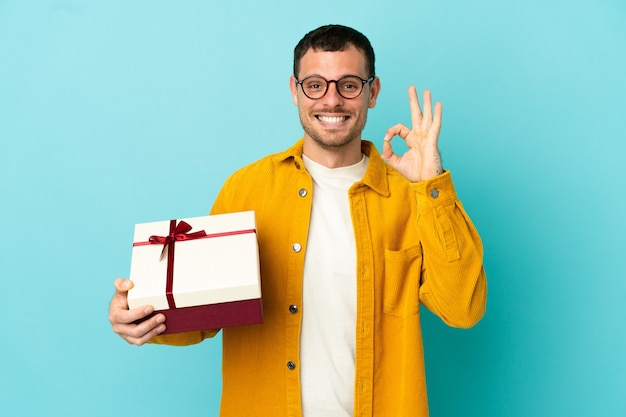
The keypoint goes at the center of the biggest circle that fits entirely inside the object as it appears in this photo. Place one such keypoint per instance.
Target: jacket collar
(375, 177)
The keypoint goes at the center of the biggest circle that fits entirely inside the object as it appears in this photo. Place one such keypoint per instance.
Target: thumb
(120, 298)
(387, 152)
(123, 285)
(388, 155)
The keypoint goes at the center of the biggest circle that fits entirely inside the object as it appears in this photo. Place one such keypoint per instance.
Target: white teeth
(327, 119)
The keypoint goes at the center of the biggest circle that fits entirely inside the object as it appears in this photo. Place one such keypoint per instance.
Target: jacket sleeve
(453, 282)
(183, 339)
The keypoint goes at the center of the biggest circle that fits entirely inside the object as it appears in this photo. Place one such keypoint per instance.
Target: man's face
(332, 121)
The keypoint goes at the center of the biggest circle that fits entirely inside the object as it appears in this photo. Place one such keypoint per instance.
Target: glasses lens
(314, 87)
(349, 87)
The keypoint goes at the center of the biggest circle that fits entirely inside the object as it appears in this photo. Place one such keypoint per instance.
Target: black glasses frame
(363, 82)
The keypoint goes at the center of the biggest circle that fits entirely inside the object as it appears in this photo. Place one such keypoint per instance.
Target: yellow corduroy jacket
(415, 244)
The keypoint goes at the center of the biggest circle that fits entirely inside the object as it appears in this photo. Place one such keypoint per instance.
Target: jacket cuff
(435, 192)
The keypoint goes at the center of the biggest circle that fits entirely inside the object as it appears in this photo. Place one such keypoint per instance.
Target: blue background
(119, 112)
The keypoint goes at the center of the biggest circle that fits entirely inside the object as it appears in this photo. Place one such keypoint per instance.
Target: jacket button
(291, 365)
(296, 247)
(434, 193)
(293, 309)
(302, 192)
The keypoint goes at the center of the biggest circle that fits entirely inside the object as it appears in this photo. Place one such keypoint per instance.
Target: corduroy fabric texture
(415, 246)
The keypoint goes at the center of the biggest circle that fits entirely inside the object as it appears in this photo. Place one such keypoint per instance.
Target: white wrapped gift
(201, 272)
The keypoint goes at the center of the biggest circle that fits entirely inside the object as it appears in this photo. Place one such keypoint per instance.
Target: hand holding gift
(124, 321)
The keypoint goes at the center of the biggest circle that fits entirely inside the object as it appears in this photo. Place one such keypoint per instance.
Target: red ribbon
(179, 232)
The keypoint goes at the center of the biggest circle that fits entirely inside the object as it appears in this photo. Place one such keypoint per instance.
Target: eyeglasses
(349, 87)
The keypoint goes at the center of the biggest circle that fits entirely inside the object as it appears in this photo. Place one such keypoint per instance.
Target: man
(351, 242)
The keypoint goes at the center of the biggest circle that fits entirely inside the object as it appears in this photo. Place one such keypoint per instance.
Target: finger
(123, 285)
(131, 326)
(436, 126)
(387, 151)
(139, 334)
(397, 130)
(388, 155)
(119, 314)
(428, 111)
(120, 298)
(416, 113)
(143, 337)
(386, 146)
(122, 316)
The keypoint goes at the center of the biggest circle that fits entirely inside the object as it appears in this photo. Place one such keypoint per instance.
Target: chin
(332, 143)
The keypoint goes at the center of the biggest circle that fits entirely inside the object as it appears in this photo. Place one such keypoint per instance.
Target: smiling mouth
(332, 119)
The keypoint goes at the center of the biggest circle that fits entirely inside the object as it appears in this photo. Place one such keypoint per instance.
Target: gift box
(201, 273)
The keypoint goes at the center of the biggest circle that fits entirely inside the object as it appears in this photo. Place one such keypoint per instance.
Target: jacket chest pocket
(402, 280)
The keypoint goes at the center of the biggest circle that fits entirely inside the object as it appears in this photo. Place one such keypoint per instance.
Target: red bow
(177, 234)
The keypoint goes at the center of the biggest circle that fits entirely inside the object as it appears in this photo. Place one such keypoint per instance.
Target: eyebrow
(328, 79)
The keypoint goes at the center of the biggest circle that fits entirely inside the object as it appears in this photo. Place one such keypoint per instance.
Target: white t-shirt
(327, 349)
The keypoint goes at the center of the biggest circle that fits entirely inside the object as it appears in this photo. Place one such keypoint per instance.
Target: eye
(314, 84)
(350, 84)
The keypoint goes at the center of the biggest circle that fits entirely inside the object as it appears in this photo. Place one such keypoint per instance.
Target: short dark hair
(333, 38)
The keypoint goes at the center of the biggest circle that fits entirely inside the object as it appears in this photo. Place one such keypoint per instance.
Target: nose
(332, 96)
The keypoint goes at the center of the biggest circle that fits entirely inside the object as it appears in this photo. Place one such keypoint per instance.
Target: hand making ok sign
(422, 160)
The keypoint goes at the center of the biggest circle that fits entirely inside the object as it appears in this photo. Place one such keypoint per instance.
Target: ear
(294, 89)
(374, 90)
